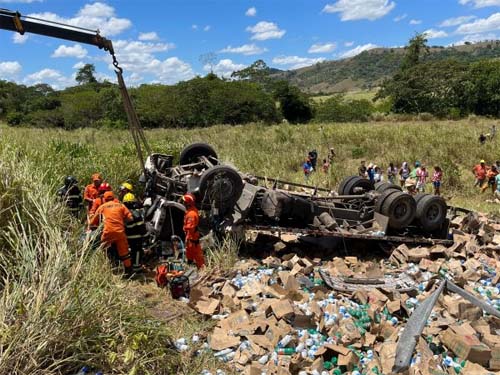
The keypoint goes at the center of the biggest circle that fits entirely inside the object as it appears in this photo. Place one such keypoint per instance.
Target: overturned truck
(233, 201)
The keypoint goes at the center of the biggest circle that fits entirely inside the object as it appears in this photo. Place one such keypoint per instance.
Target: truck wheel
(222, 186)
(383, 186)
(344, 183)
(191, 154)
(431, 212)
(400, 208)
(382, 198)
(354, 183)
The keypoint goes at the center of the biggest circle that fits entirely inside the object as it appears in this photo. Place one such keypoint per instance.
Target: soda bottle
(285, 351)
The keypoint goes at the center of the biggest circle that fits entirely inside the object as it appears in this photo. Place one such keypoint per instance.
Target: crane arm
(14, 21)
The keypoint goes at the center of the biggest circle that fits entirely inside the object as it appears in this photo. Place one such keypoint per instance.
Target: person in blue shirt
(371, 172)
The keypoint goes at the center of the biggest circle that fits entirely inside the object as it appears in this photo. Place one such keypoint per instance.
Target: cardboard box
(466, 347)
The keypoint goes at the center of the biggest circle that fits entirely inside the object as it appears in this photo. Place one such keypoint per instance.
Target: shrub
(338, 110)
(15, 118)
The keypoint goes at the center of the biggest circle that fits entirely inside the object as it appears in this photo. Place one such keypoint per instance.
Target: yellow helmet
(129, 197)
(127, 186)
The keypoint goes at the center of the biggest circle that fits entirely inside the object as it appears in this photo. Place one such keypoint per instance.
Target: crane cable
(134, 125)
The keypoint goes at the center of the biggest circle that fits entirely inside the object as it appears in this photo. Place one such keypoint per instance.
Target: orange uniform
(193, 248)
(97, 203)
(90, 194)
(113, 215)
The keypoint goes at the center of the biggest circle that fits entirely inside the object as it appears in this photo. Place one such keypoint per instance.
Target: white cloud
(456, 21)
(245, 49)
(51, 77)
(9, 70)
(400, 18)
(138, 57)
(76, 51)
(207, 28)
(251, 12)
(351, 10)
(96, 16)
(194, 27)
(79, 65)
(481, 3)
(357, 50)
(296, 62)
(481, 25)
(151, 36)
(322, 48)
(265, 30)
(435, 34)
(474, 38)
(19, 39)
(415, 22)
(224, 67)
(348, 44)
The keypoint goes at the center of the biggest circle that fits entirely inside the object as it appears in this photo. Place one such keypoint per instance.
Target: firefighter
(91, 191)
(135, 231)
(114, 214)
(71, 196)
(191, 221)
(125, 188)
(103, 187)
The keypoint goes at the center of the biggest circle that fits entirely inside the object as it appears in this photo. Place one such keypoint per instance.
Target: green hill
(368, 69)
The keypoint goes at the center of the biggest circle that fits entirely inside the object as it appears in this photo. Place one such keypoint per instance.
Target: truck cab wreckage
(235, 202)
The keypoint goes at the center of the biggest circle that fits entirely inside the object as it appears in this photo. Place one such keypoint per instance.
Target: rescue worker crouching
(71, 196)
(113, 214)
(135, 230)
(191, 222)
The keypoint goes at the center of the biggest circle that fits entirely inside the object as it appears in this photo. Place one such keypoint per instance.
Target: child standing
(437, 177)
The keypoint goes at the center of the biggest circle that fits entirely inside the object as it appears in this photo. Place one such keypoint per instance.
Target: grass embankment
(61, 305)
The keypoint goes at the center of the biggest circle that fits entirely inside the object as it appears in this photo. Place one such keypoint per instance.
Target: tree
(415, 50)
(295, 105)
(86, 74)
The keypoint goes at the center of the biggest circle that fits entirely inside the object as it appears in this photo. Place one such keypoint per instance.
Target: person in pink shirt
(437, 178)
(422, 175)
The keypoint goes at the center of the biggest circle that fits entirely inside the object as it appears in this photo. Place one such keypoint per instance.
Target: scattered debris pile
(292, 315)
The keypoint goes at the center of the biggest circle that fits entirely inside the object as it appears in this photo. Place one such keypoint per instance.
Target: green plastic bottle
(285, 351)
(327, 365)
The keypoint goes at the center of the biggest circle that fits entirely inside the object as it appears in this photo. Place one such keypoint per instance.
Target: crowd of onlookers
(415, 179)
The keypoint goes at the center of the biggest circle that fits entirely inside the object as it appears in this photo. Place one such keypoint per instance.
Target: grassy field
(51, 282)
(350, 95)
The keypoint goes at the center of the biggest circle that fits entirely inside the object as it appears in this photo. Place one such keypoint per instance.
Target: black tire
(400, 208)
(382, 198)
(357, 182)
(383, 186)
(431, 212)
(220, 185)
(191, 154)
(344, 183)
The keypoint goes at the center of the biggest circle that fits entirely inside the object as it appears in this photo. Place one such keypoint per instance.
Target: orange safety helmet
(108, 196)
(96, 177)
(104, 187)
(189, 199)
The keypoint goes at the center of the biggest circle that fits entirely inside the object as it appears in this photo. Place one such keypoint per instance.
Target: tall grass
(61, 306)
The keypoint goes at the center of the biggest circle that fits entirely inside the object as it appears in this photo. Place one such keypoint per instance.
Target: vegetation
(52, 282)
(370, 68)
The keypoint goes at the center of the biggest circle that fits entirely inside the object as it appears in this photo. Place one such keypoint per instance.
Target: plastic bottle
(285, 341)
(84, 370)
(285, 351)
(223, 352)
(264, 359)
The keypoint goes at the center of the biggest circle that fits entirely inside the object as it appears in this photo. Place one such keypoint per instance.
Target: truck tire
(343, 184)
(382, 198)
(400, 208)
(431, 212)
(191, 154)
(220, 185)
(383, 186)
(348, 186)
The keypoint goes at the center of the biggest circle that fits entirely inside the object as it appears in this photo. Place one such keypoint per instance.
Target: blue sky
(162, 41)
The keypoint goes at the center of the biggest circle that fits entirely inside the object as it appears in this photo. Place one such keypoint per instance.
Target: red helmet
(189, 199)
(104, 187)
